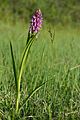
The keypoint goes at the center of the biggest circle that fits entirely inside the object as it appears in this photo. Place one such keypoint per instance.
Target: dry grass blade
(77, 66)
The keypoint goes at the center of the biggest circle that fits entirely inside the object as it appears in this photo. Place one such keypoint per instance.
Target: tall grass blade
(67, 74)
(14, 66)
(50, 112)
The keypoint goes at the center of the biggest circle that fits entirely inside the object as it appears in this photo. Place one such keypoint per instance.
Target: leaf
(25, 56)
(26, 47)
(23, 60)
(31, 94)
(14, 66)
(50, 112)
(1, 113)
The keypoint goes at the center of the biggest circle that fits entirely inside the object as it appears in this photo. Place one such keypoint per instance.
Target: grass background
(59, 98)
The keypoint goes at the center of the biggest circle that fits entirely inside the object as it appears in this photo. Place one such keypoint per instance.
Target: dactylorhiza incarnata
(36, 22)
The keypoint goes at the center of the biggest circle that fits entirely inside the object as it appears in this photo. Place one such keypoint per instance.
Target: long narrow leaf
(20, 73)
(23, 63)
(14, 67)
(50, 112)
(25, 49)
(31, 94)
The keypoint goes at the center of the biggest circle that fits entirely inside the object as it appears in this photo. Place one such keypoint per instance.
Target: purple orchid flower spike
(35, 24)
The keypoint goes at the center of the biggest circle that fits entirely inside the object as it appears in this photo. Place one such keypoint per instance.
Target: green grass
(58, 63)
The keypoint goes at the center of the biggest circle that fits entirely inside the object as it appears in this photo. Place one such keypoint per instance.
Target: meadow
(56, 62)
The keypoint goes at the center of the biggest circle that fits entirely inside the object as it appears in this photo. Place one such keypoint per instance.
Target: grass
(58, 63)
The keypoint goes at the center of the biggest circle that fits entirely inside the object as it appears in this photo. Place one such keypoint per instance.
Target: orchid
(35, 26)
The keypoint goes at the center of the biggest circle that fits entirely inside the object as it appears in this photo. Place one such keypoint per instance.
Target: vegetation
(54, 11)
(56, 61)
(49, 87)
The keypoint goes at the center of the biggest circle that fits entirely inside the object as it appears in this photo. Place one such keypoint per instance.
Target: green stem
(28, 46)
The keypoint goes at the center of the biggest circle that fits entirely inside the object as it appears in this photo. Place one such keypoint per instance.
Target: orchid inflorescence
(35, 25)
(36, 22)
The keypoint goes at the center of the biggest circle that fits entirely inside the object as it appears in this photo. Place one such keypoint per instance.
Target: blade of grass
(14, 66)
(50, 112)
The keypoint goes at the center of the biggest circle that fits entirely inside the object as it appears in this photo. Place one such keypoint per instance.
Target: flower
(36, 22)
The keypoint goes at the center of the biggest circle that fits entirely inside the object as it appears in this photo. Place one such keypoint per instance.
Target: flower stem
(28, 46)
(18, 93)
